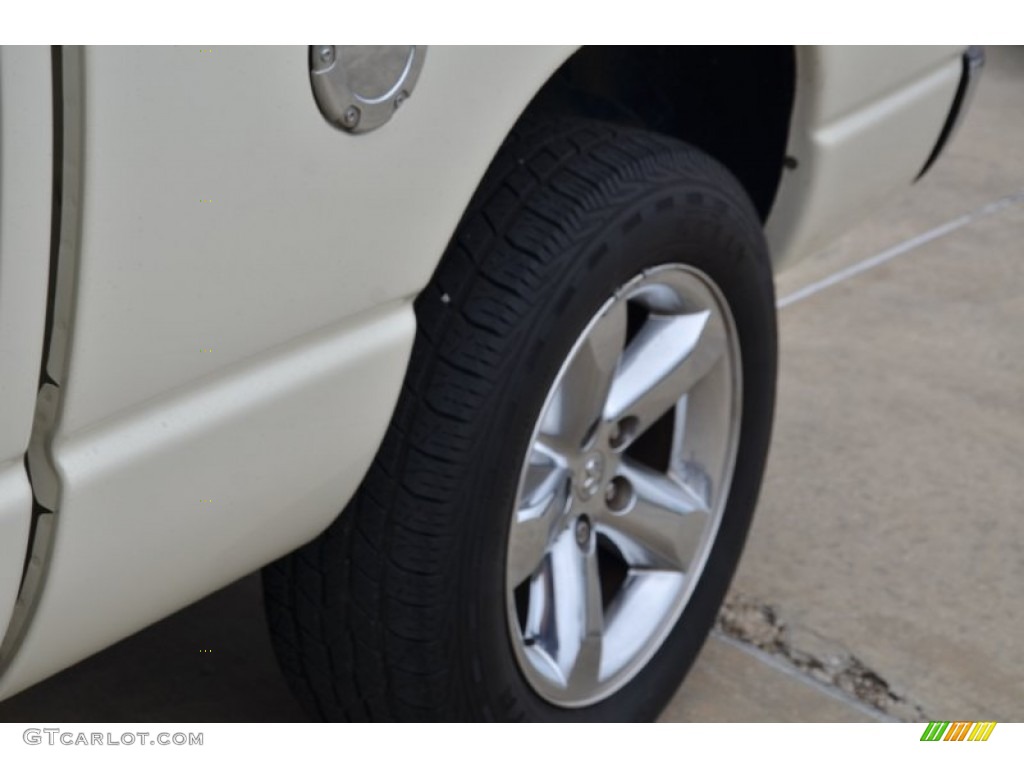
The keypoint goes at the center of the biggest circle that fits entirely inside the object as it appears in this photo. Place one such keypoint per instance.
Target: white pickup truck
(473, 350)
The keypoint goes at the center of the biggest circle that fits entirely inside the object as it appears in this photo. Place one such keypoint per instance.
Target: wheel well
(733, 102)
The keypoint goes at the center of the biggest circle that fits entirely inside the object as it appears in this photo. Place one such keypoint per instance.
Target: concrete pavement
(891, 527)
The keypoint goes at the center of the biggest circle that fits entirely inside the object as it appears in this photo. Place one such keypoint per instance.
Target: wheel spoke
(565, 619)
(552, 448)
(669, 355)
(587, 665)
(638, 610)
(664, 527)
(579, 400)
(544, 497)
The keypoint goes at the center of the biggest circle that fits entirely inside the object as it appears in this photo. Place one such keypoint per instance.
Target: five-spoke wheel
(622, 489)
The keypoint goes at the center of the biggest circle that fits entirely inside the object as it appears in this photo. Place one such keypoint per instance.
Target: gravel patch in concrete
(757, 623)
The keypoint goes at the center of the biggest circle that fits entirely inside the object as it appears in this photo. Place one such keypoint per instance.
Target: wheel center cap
(591, 474)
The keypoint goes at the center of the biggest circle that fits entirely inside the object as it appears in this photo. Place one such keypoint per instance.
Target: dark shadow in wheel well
(733, 102)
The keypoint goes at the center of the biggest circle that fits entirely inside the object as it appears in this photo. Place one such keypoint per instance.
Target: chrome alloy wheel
(624, 485)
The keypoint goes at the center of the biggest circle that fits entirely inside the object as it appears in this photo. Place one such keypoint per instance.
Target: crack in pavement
(757, 623)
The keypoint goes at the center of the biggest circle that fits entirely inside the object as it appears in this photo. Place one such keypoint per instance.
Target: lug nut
(621, 433)
(618, 494)
(582, 530)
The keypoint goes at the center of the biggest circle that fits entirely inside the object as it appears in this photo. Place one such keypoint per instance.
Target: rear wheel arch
(734, 103)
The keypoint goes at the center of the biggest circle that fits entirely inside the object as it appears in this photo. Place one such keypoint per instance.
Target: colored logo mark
(957, 731)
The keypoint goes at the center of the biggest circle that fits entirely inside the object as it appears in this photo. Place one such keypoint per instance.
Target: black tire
(397, 611)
